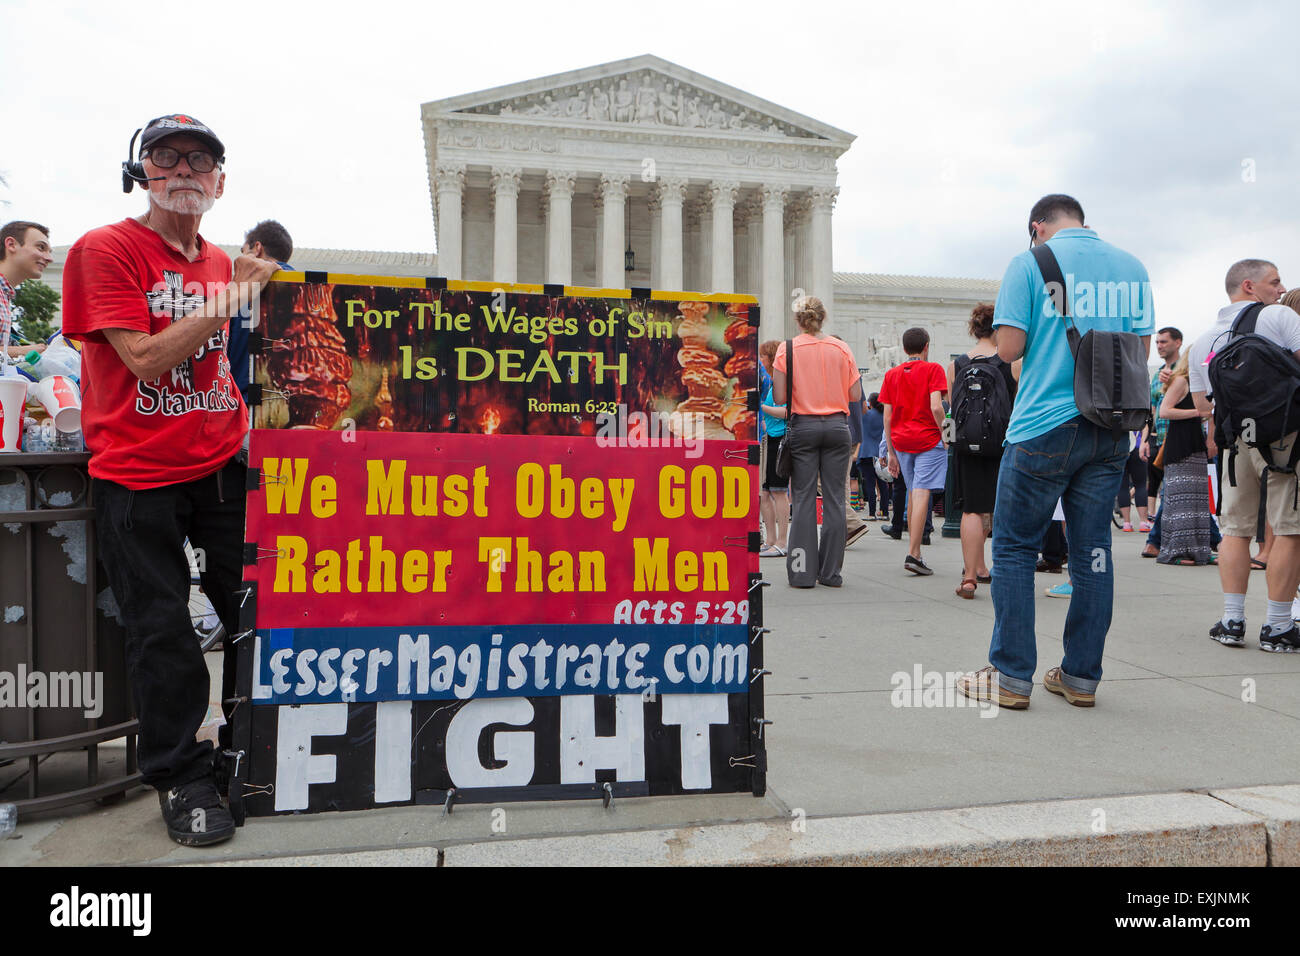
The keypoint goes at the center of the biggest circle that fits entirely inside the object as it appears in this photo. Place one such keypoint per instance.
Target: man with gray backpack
(1246, 372)
(1079, 311)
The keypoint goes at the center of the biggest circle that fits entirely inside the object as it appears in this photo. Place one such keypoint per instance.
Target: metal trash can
(63, 682)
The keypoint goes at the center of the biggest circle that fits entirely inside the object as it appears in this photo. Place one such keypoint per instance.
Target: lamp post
(629, 257)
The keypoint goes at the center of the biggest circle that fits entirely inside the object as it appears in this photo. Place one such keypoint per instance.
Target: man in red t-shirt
(912, 394)
(165, 426)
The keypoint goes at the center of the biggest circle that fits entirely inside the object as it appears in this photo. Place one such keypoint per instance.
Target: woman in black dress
(1185, 518)
(975, 477)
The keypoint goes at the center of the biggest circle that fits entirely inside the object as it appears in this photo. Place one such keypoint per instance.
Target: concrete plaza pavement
(1190, 742)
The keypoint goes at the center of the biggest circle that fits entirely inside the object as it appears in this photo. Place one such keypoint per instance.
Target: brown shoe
(855, 534)
(983, 683)
(1052, 681)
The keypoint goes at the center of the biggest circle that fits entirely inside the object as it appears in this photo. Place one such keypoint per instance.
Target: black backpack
(981, 406)
(1254, 382)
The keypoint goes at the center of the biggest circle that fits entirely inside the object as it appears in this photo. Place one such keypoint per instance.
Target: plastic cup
(13, 397)
(61, 398)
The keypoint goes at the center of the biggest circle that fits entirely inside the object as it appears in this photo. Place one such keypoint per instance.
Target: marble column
(655, 210)
(797, 215)
(822, 278)
(772, 299)
(749, 246)
(740, 233)
(704, 245)
(613, 191)
(449, 184)
(505, 224)
(598, 209)
(692, 252)
(724, 207)
(671, 193)
(559, 227)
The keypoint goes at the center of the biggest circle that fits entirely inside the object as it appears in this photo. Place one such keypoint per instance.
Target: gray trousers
(820, 446)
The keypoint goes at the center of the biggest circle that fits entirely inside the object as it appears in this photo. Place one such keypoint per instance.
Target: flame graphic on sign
(490, 420)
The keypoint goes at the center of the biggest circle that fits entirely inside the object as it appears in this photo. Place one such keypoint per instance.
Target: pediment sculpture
(641, 99)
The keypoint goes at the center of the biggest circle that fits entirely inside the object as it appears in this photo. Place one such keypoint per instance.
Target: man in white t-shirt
(1249, 281)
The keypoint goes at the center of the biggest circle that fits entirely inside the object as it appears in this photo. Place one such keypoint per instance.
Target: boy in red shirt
(913, 398)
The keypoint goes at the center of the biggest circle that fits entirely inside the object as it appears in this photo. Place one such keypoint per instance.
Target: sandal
(964, 592)
(1258, 565)
(772, 551)
(984, 578)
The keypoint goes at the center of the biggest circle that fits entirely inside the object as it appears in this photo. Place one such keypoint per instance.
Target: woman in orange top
(825, 379)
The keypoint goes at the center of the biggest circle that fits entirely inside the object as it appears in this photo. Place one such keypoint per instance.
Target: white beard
(184, 201)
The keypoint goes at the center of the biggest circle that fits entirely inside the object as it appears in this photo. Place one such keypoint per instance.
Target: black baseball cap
(181, 123)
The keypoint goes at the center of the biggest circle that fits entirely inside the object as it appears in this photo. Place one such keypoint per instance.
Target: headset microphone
(133, 169)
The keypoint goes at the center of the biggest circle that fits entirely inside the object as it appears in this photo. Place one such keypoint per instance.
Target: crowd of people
(1043, 464)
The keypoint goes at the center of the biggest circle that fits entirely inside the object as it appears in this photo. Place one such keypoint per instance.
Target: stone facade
(711, 188)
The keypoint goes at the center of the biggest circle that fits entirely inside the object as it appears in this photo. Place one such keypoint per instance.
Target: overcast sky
(1175, 124)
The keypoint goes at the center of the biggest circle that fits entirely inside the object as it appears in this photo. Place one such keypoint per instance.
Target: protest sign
(498, 542)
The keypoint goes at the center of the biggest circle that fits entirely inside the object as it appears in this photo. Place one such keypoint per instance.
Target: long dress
(1185, 512)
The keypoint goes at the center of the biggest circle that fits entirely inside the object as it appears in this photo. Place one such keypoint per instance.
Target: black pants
(899, 522)
(1055, 549)
(141, 538)
(873, 487)
(1135, 473)
(884, 489)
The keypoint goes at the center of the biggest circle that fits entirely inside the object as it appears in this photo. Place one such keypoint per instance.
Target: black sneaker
(897, 535)
(1232, 634)
(194, 814)
(916, 566)
(1288, 642)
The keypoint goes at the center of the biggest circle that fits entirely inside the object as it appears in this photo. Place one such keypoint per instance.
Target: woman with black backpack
(983, 388)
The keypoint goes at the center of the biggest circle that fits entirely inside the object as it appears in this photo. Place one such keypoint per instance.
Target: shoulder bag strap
(1245, 322)
(789, 379)
(1056, 291)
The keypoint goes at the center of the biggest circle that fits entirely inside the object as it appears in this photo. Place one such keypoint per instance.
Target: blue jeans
(1081, 464)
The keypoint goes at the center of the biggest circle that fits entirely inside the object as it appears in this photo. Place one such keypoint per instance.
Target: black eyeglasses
(1033, 234)
(200, 160)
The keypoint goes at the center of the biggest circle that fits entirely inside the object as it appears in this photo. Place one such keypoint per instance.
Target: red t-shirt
(183, 425)
(907, 388)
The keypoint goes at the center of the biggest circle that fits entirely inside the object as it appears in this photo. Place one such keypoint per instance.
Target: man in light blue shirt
(1053, 452)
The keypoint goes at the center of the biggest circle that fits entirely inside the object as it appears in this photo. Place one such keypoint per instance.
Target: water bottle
(8, 820)
(34, 437)
(41, 366)
(67, 441)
